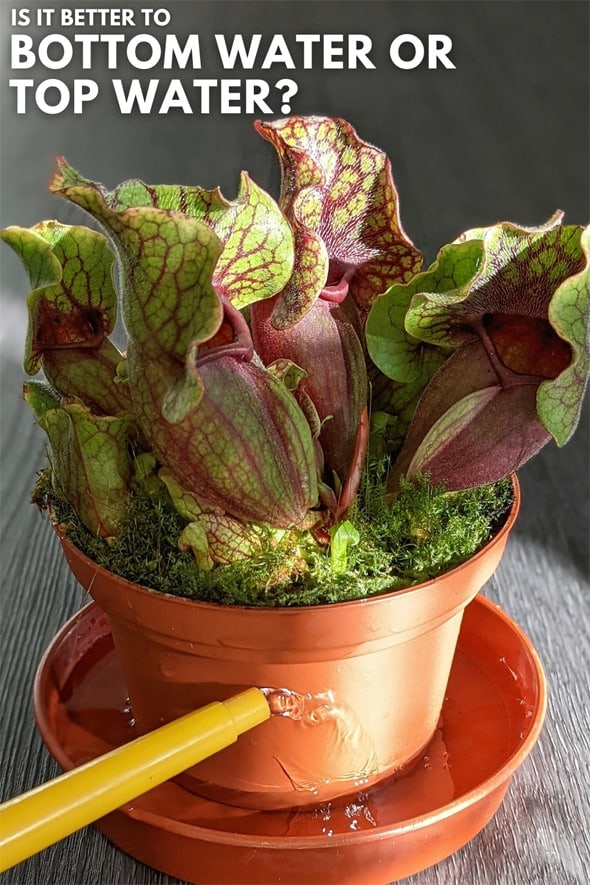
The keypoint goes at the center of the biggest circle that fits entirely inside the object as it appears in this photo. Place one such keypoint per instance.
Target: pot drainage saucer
(491, 718)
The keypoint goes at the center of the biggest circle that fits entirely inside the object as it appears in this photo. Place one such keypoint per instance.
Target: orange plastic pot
(360, 684)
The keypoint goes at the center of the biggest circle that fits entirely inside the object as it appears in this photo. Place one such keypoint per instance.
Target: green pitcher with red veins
(269, 343)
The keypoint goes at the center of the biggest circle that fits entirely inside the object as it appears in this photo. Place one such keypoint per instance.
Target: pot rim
(499, 537)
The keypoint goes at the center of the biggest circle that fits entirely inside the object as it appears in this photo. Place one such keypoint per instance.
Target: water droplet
(127, 711)
(512, 672)
(167, 668)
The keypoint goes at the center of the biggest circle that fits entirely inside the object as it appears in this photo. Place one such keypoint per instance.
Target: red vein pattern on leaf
(240, 450)
(72, 309)
(509, 297)
(522, 277)
(341, 188)
(166, 258)
(559, 401)
(519, 274)
(257, 256)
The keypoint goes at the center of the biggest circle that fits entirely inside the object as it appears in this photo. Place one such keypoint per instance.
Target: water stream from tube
(296, 706)
(346, 754)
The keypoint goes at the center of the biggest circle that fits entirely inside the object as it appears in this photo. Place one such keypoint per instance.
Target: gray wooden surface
(505, 136)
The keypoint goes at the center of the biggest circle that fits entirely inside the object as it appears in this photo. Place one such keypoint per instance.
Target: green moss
(421, 534)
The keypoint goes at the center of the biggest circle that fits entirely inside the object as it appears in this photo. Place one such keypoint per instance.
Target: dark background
(505, 136)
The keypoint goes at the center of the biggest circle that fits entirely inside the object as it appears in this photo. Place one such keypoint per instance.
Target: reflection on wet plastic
(309, 770)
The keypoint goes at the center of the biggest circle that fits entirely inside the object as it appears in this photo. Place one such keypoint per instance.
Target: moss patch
(420, 535)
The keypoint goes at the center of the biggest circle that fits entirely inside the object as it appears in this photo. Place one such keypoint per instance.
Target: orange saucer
(492, 716)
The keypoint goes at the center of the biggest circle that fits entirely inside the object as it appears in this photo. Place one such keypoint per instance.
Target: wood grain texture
(504, 136)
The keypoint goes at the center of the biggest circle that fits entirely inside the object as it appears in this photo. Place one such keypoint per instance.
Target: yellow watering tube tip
(48, 813)
(247, 709)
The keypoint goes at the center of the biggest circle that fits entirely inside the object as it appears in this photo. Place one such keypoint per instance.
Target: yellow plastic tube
(48, 813)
